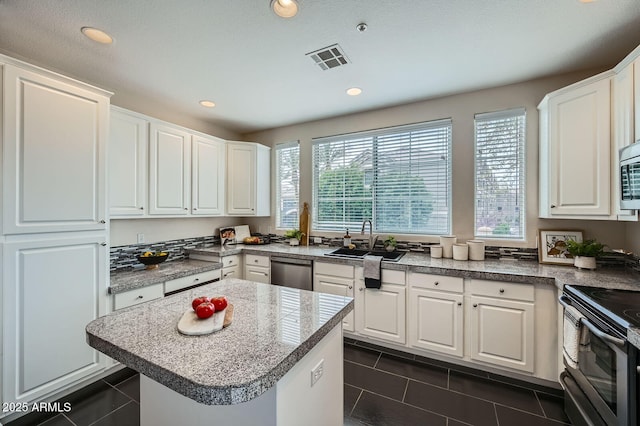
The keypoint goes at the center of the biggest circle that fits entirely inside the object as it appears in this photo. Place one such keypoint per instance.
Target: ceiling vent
(329, 57)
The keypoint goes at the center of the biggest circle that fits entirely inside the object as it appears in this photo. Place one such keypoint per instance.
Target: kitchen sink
(389, 256)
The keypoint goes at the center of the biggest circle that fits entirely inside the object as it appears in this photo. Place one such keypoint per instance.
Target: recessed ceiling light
(97, 35)
(285, 8)
(354, 91)
(207, 104)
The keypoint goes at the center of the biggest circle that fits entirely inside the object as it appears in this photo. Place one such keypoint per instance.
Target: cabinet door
(208, 176)
(380, 313)
(623, 134)
(128, 142)
(579, 151)
(54, 155)
(340, 287)
(241, 179)
(436, 321)
(502, 332)
(169, 170)
(51, 289)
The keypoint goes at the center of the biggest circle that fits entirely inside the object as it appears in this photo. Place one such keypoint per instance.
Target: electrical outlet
(140, 238)
(317, 240)
(317, 372)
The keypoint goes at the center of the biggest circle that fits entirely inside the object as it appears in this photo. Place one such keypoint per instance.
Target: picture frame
(552, 247)
(227, 235)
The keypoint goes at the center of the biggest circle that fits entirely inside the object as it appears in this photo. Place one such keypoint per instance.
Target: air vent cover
(329, 57)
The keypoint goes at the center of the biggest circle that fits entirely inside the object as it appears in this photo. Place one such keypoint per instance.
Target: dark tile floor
(381, 387)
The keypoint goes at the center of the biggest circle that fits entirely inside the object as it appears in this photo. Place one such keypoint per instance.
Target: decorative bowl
(152, 261)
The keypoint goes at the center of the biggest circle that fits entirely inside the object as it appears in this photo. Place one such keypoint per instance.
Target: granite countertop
(273, 327)
(131, 279)
(523, 271)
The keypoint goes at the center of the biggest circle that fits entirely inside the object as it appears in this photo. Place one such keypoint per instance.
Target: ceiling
(254, 66)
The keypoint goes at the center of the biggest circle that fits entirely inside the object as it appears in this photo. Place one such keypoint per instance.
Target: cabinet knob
(195, 208)
(141, 208)
(475, 305)
(350, 287)
(103, 244)
(140, 297)
(255, 260)
(103, 221)
(553, 206)
(197, 279)
(436, 283)
(459, 303)
(186, 208)
(501, 290)
(361, 289)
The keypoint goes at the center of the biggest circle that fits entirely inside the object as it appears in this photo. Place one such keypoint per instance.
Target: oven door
(602, 374)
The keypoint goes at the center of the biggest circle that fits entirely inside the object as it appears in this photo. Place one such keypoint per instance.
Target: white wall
(461, 108)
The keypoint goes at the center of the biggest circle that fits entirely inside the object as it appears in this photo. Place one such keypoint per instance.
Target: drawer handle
(501, 290)
(140, 297)
(436, 283)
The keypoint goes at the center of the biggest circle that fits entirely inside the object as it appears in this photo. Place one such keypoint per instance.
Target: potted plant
(390, 243)
(585, 253)
(294, 235)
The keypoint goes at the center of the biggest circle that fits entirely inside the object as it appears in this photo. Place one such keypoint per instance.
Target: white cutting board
(242, 232)
(191, 325)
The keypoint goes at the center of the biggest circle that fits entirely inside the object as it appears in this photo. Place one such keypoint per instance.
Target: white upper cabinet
(248, 179)
(636, 77)
(55, 135)
(575, 151)
(622, 131)
(128, 143)
(207, 175)
(169, 170)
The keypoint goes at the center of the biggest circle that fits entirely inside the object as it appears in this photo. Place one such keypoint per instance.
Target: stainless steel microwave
(630, 177)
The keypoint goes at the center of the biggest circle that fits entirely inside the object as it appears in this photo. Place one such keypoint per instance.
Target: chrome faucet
(372, 240)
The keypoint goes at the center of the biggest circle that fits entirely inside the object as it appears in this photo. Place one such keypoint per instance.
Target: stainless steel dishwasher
(290, 272)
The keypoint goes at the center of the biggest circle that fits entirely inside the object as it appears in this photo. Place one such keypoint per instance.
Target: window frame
(445, 125)
(516, 113)
(278, 219)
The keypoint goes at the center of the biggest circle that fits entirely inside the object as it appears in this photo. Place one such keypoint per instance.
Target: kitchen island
(256, 371)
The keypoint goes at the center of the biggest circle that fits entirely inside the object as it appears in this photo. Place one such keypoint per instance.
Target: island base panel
(291, 402)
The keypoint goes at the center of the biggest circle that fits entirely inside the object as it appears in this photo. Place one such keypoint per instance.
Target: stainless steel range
(601, 383)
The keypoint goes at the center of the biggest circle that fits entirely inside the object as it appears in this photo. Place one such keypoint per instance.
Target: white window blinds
(287, 185)
(398, 177)
(500, 174)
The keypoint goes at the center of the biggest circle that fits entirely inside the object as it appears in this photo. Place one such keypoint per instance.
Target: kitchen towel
(571, 335)
(372, 272)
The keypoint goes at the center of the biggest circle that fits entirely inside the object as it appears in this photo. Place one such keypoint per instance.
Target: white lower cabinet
(231, 267)
(53, 287)
(257, 268)
(336, 279)
(436, 313)
(381, 313)
(501, 324)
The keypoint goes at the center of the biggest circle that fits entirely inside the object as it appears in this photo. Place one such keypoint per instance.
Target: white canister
(447, 242)
(476, 249)
(436, 252)
(460, 252)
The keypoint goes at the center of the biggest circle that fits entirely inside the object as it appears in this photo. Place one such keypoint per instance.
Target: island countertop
(273, 327)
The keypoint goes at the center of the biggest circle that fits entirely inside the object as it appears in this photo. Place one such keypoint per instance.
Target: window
(398, 177)
(500, 174)
(287, 188)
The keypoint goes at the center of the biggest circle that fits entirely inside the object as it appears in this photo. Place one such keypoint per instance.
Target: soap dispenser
(347, 239)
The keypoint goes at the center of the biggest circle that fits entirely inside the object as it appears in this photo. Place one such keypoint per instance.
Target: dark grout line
(107, 415)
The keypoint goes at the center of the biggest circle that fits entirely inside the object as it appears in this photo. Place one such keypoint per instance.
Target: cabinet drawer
(436, 282)
(140, 295)
(257, 273)
(180, 283)
(390, 276)
(334, 269)
(503, 290)
(228, 261)
(255, 260)
(231, 272)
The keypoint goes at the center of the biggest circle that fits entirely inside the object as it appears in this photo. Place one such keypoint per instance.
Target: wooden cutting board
(305, 225)
(191, 325)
